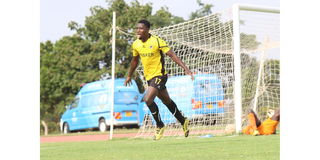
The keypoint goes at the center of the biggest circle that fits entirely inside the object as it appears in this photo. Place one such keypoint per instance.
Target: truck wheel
(102, 125)
(66, 129)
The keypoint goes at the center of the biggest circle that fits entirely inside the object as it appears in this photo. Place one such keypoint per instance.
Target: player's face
(142, 31)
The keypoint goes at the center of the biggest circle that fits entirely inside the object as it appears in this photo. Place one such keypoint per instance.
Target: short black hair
(145, 22)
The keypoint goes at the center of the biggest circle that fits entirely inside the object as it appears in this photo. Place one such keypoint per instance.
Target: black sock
(175, 111)
(156, 115)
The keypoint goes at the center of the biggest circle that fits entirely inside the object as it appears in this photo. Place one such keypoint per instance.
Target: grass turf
(241, 147)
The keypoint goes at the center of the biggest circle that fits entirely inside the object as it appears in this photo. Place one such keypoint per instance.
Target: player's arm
(133, 66)
(176, 59)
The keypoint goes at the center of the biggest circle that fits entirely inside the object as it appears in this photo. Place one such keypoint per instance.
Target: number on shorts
(158, 80)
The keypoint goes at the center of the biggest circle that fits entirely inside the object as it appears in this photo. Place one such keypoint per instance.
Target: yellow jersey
(149, 52)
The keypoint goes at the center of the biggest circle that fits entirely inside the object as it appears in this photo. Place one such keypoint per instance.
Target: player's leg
(254, 123)
(149, 99)
(256, 120)
(152, 92)
(160, 83)
(165, 98)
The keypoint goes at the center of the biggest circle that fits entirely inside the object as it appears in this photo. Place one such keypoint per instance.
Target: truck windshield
(74, 103)
(125, 97)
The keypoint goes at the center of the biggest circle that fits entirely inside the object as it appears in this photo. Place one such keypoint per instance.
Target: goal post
(112, 73)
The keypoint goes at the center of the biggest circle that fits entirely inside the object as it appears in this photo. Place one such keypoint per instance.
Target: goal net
(260, 62)
(205, 45)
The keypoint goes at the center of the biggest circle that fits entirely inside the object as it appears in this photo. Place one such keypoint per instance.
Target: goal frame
(236, 8)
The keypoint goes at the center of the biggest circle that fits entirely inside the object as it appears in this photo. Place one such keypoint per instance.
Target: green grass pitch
(241, 147)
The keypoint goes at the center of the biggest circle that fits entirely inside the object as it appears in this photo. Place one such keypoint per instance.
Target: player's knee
(148, 100)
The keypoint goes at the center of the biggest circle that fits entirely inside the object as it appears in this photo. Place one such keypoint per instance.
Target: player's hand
(127, 82)
(190, 74)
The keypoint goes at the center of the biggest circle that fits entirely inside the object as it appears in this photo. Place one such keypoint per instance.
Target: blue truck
(201, 98)
(92, 104)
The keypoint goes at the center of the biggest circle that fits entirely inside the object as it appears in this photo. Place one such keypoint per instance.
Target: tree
(164, 18)
(203, 11)
(64, 66)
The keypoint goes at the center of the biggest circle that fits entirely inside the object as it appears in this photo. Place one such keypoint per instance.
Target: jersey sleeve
(134, 50)
(163, 46)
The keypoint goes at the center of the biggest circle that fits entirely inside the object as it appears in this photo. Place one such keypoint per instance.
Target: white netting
(260, 69)
(205, 45)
